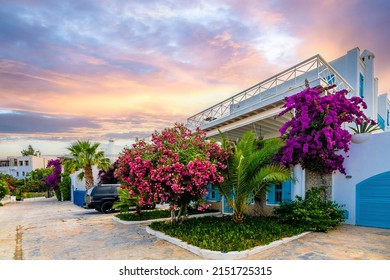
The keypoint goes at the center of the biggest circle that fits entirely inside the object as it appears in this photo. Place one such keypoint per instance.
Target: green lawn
(222, 234)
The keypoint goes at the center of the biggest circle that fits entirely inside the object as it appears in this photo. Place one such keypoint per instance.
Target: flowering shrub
(176, 166)
(108, 176)
(55, 177)
(314, 135)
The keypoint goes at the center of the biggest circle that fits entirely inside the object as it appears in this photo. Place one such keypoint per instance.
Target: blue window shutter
(217, 194)
(208, 196)
(286, 191)
(361, 86)
(250, 199)
(271, 195)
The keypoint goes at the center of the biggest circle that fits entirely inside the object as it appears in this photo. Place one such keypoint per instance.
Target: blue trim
(275, 196)
(330, 79)
(373, 201)
(226, 208)
(381, 122)
(361, 85)
(79, 198)
(286, 191)
(213, 194)
(271, 195)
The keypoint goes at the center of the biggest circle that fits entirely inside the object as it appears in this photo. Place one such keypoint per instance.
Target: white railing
(314, 68)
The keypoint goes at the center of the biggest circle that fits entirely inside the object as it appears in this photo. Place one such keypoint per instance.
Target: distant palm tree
(250, 171)
(84, 156)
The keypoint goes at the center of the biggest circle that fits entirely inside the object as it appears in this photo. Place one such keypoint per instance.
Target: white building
(21, 166)
(256, 108)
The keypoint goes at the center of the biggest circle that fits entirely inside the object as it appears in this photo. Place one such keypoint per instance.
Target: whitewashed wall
(365, 160)
(77, 185)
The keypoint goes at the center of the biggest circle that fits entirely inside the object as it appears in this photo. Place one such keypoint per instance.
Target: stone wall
(314, 179)
(260, 207)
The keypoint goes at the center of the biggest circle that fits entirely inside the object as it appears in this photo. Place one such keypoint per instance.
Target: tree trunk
(88, 177)
(238, 217)
(173, 215)
(183, 208)
(138, 210)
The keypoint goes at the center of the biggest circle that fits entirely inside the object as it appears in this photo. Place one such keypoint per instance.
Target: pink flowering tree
(175, 167)
(315, 134)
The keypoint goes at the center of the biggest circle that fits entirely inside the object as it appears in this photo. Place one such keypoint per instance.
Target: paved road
(45, 229)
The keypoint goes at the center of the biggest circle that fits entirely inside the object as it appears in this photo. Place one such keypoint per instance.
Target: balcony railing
(312, 69)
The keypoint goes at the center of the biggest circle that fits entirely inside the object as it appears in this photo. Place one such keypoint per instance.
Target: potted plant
(362, 131)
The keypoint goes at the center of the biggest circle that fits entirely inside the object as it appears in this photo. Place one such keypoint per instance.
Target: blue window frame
(361, 86)
(212, 193)
(381, 122)
(278, 193)
(330, 79)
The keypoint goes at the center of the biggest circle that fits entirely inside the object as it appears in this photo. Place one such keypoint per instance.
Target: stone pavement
(45, 229)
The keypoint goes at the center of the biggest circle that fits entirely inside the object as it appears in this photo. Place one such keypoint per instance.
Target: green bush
(34, 194)
(314, 213)
(4, 190)
(64, 187)
(224, 235)
(57, 192)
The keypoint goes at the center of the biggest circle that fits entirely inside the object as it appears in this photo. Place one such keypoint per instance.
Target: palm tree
(84, 156)
(250, 171)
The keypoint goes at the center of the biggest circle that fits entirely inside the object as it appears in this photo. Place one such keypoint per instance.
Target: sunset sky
(102, 69)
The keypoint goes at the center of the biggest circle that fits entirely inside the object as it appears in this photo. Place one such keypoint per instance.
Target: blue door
(226, 209)
(79, 198)
(373, 201)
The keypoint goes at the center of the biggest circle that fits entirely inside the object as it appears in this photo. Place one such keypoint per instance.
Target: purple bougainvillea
(55, 177)
(315, 133)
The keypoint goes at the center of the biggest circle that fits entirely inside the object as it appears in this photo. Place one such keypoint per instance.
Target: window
(23, 173)
(17, 173)
(15, 162)
(361, 86)
(21, 163)
(388, 117)
(4, 163)
(212, 193)
(278, 193)
(26, 162)
(330, 79)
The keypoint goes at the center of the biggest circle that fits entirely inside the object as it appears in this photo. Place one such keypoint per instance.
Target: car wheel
(107, 207)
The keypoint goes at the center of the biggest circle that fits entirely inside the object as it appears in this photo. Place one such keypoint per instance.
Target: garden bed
(221, 235)
(147, 215)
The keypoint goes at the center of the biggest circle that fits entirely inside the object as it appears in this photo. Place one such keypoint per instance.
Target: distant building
(21, 166)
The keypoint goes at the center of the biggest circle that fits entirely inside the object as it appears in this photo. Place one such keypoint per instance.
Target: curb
(163, 219)
(215, 255)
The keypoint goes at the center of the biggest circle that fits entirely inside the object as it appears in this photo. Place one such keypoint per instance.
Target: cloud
(123, 69)
(23, 122)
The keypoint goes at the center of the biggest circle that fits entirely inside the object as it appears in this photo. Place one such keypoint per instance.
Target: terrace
(256, 107)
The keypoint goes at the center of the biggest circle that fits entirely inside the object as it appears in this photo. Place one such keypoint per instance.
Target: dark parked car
(102, 197)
